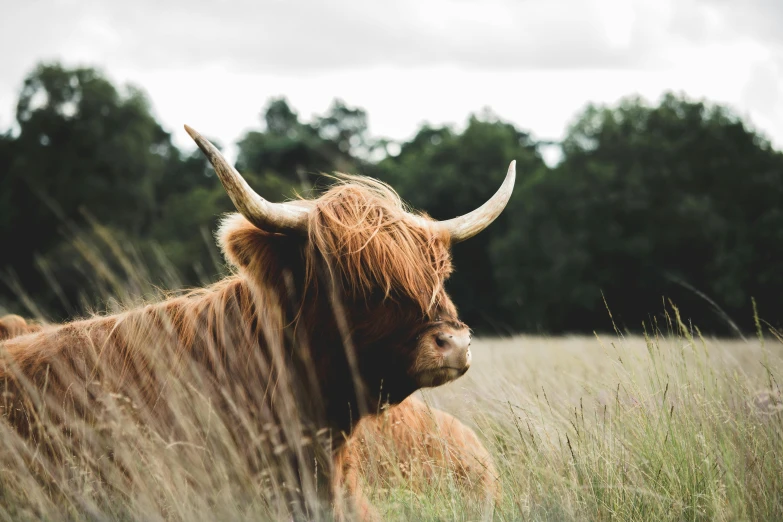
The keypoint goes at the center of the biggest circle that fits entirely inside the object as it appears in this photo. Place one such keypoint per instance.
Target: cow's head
(363, 273)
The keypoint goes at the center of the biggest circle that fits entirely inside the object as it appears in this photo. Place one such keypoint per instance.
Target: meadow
(669, 426)
(665, 426)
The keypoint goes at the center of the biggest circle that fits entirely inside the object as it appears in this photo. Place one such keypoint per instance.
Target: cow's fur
(412, 445)
(409, 441)
(321, 329)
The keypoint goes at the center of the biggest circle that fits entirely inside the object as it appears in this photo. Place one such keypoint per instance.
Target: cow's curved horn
(272, 217)
(468, 225)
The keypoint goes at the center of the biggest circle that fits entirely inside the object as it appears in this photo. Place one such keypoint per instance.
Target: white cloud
(536, 63)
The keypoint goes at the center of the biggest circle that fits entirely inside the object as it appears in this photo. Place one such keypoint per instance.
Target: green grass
(666, 428)
(628, 428)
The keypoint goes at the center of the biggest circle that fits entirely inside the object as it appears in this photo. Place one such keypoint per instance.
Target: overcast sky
(536, 63)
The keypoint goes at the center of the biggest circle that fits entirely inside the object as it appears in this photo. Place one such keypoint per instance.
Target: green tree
(83, 146)
(345, 129)
(680, 201)
(290, 154)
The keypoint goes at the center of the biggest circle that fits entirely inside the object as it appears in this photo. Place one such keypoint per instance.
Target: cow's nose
(455, 348)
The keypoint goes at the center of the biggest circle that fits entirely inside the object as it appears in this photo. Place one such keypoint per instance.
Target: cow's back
(420, 445)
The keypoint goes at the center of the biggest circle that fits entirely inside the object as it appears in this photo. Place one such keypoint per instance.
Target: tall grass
(663, 427)
(667, 426)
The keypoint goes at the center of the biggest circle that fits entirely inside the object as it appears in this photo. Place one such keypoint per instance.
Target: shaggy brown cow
(419, 445)
(338, 305)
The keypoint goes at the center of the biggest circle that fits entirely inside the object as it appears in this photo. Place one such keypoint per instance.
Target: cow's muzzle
(455, 349)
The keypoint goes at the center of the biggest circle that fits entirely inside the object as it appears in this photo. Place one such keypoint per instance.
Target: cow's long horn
(468, 225)
(272, 217)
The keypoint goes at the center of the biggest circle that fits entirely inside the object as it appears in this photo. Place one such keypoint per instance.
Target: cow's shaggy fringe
(362, 229)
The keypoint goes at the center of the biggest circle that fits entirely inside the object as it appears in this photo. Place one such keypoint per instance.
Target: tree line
(679, 201)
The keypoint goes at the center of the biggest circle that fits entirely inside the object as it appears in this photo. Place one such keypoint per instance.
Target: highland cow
(337, 305)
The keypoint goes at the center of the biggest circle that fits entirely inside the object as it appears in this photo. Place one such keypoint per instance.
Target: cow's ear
(261, 255)
(240, 241)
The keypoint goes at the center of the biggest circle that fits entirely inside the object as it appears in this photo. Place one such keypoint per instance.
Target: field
(668, 426)
(594, 428)
(626, 428)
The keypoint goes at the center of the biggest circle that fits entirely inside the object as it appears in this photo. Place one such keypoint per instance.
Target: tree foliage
(82, 145)
(678, 200)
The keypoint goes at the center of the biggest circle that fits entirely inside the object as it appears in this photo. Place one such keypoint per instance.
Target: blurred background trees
(679, 200)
